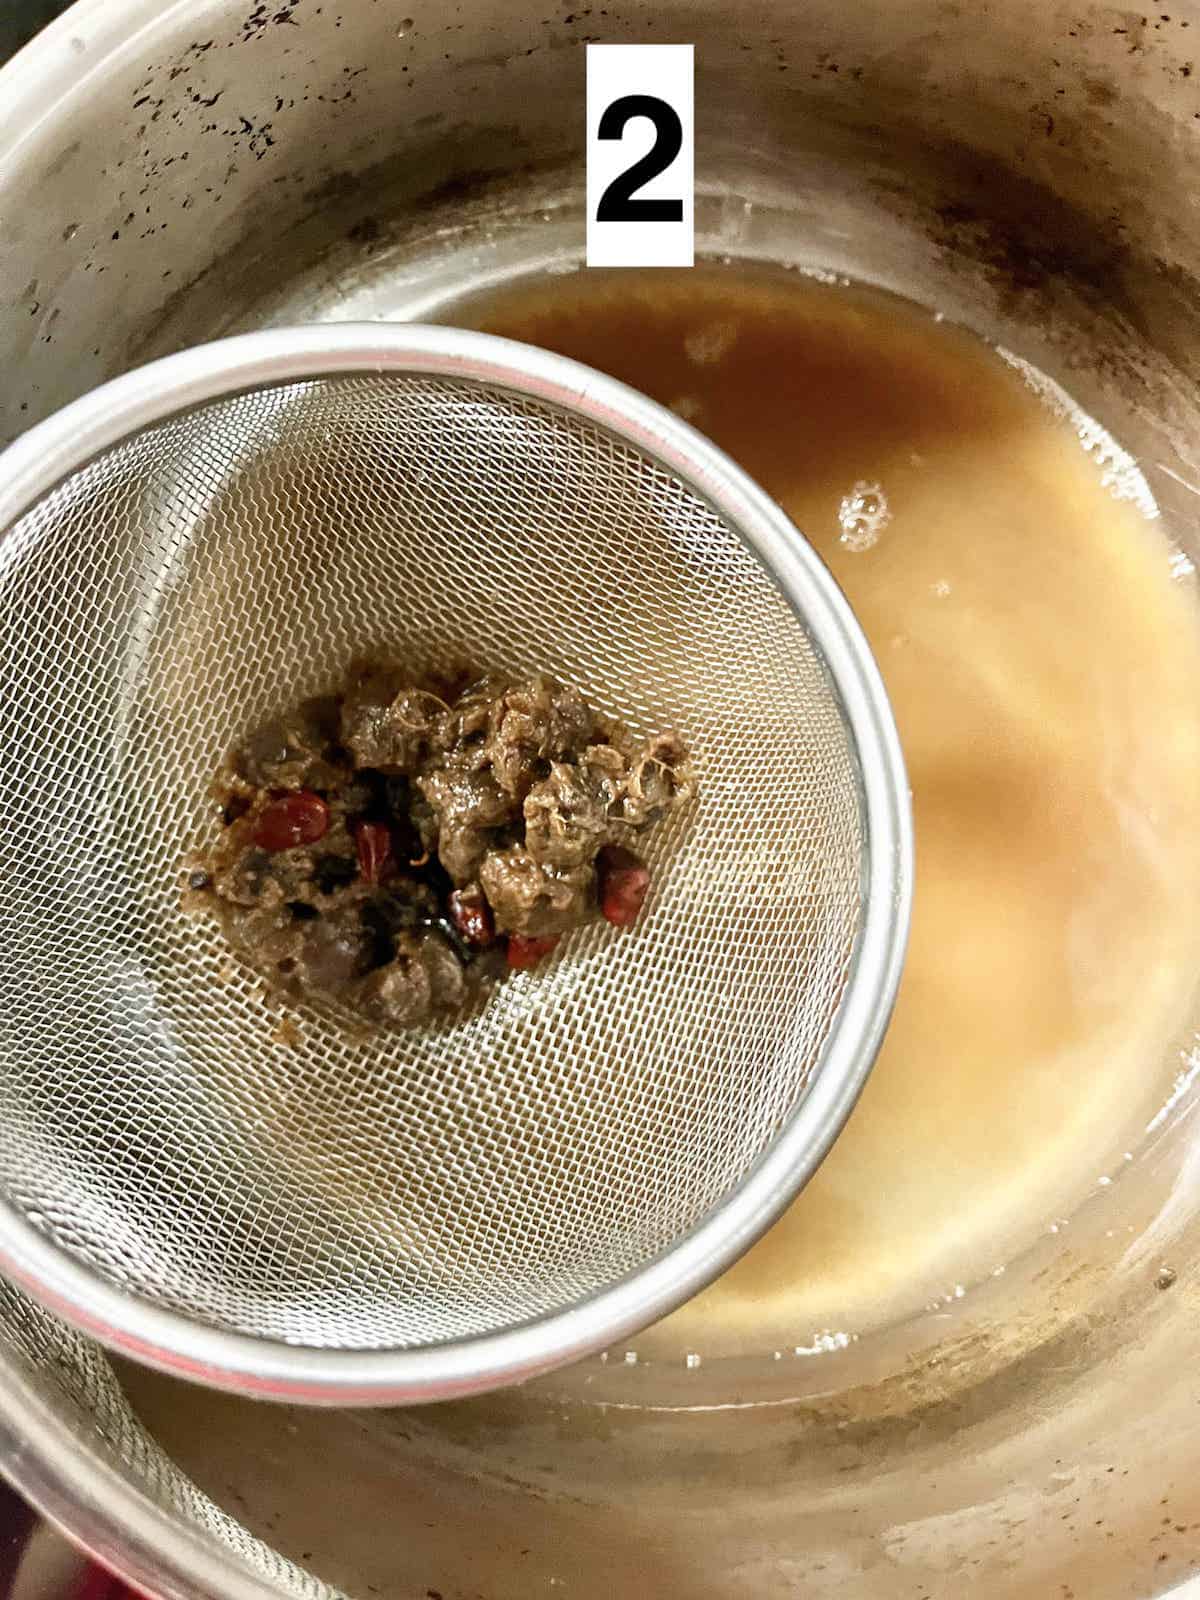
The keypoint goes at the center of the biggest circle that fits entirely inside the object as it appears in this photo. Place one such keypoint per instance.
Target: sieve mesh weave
(339, 1191)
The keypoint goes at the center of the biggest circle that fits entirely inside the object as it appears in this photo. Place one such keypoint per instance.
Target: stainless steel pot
(170, 171)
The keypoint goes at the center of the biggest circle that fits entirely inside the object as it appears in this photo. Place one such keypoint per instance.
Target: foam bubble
(862, 516)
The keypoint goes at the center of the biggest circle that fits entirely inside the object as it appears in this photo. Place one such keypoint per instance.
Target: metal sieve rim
(91, 1502)
(178, 1344)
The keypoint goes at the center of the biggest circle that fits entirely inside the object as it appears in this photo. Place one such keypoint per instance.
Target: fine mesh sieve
(298, 1210)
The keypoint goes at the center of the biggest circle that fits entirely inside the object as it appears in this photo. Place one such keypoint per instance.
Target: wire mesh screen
(343, 1191)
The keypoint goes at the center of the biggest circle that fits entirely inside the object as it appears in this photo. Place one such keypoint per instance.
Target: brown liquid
(1042, 665)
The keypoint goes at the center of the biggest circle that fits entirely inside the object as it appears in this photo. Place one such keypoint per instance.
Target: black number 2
(620, 202)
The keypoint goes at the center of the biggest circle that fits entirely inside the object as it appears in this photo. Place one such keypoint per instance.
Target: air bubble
(862, 517)
(406, 27)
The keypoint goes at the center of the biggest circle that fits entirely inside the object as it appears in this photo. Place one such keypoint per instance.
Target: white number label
(639, 155)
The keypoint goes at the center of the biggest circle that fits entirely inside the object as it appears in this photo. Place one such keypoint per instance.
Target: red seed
(624, 881)
(373, 842)
(294, 819)
(472, 916)
(525, 953)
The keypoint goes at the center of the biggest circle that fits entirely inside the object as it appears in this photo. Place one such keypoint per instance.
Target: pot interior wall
(171, 173)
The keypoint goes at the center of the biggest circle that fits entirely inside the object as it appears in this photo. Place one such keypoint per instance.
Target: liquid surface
(1042, 665)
